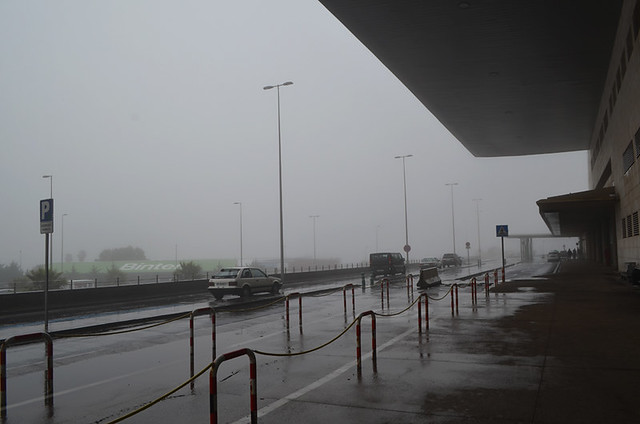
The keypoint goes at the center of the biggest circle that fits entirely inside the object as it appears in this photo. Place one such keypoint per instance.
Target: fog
(152, 119)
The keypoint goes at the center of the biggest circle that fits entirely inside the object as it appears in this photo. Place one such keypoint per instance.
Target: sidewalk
(588, 332)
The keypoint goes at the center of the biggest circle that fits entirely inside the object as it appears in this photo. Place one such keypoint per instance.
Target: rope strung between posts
(443, 296)
(205, 369)
(130, 330)
(398, 313)
(310, 350)
(166, 395)
(259, 307)
(326, 294)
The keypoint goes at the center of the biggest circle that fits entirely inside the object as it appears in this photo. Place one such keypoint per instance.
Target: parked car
(242, 281)
(553, 256)
(430, 263)
(451, 259)
(386, 264)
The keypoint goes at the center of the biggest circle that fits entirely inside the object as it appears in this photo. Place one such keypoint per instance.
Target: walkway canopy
(572, 215)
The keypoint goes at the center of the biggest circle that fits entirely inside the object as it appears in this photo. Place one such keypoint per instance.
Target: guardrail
(195, 313)
(48, 376)
(359, 344)
(474, 291)
(426, 312)
(353, 297)
(382, 284)
(213, 384)
(299, 308)
(454, 294)
(409, 284)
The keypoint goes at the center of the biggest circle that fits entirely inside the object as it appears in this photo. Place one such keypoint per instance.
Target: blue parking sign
(46, 216)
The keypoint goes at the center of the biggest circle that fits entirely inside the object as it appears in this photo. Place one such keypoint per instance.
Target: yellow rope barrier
(401, 312)
(440, 298)
(153, 402)
(131, 330)
(310, 350)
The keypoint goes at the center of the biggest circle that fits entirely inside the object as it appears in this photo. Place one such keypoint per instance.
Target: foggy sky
(151, 117)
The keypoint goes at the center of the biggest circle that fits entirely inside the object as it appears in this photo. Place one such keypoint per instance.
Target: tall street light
(478, 217)
(240, 203)
(50, 235)
(62, 244)
(277, 87)
(453, 221)
(407, 248)
(314, 217)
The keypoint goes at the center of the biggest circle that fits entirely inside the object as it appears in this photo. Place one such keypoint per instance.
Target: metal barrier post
(353, 297)
(382, 282)
(213, 384)
(409, 283)
(299, 307)
(454, 293)
(373, 342)
(48, 374)
(486, 284)
(194, 313)
(495, 278)
(457, 298)
(426, 312)
(503, 274)
(474, 298)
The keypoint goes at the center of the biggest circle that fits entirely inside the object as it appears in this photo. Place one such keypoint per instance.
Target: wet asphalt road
(100, 378)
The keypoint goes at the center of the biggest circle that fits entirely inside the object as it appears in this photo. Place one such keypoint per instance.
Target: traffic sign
(468, 245)
(46, 216)
(407, 248)
(502, 231)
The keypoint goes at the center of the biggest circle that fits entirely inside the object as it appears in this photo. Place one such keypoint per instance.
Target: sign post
(502, 231)
(46, 228)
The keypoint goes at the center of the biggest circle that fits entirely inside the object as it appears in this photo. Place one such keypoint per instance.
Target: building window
(636, 230)
(636, 20)
(629, 229)
(628, 157)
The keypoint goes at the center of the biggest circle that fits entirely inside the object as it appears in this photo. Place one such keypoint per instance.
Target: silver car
(242, 281)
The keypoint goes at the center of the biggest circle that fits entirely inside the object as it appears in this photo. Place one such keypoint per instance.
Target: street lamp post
(240, 204)
(62, 244)
(314, 217)
(277, 87)
(407, 248)
(453, 221)
(478, 217)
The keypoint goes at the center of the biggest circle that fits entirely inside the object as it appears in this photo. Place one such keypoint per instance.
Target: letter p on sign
(46, 216)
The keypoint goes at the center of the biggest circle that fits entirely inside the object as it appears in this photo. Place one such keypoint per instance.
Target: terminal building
(521, 78)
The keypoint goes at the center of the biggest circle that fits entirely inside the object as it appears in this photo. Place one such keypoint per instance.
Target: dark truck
(386, 264)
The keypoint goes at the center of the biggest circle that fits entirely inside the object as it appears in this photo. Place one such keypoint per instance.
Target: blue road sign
(46, 216)
(502, 231)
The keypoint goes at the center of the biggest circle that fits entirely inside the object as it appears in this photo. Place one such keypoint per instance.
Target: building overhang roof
(504, 77)
(571, 215)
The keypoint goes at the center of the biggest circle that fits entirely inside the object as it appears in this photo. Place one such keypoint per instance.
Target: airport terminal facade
(519, 78)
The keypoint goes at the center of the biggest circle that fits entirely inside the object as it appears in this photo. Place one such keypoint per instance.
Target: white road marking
(295, 395)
